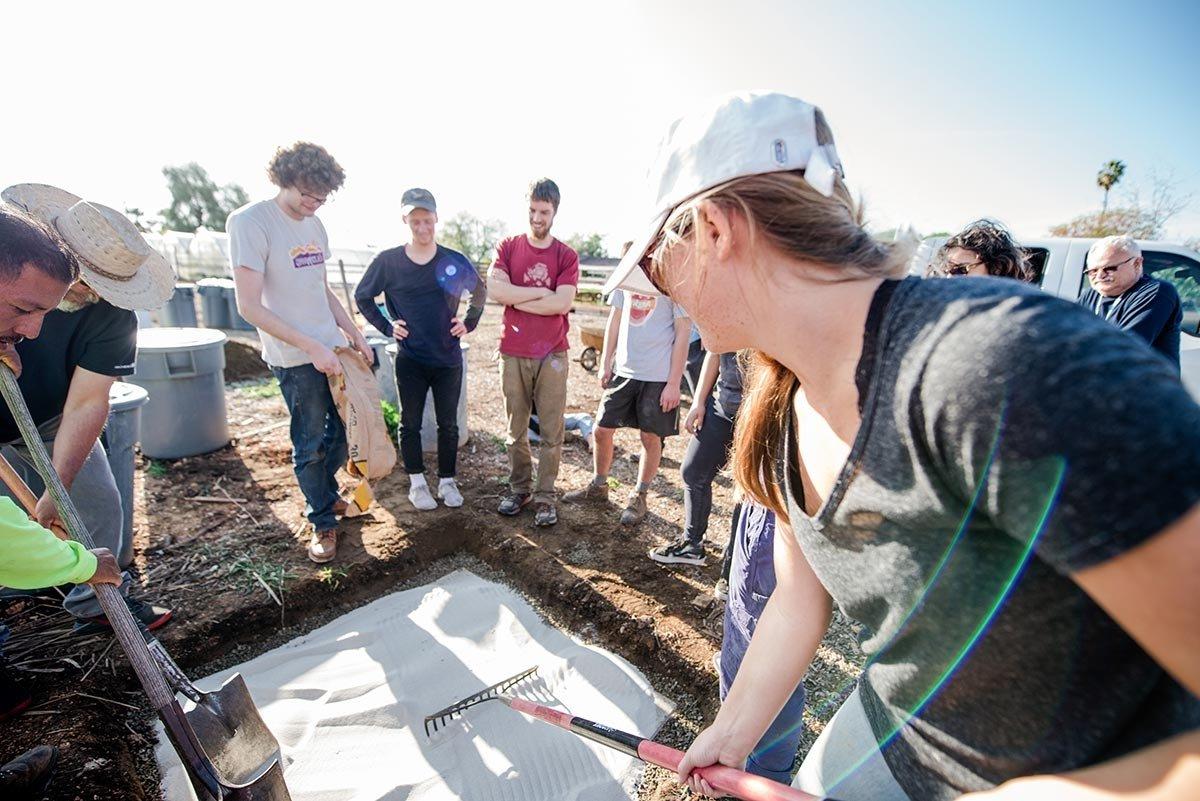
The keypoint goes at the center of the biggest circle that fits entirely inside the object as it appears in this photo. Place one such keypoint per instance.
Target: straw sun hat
(114, 258)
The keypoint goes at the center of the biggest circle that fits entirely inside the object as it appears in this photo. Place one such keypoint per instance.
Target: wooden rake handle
(12, 479)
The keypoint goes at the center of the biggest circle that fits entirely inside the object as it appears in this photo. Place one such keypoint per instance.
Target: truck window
(1184, 273)
(1037, 263)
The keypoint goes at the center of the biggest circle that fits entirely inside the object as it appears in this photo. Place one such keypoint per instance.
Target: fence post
(346, 288)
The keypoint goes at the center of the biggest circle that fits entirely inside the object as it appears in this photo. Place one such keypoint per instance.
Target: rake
(731, 781)
(227, 749)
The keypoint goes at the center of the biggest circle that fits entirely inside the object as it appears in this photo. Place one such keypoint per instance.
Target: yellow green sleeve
(31, 557)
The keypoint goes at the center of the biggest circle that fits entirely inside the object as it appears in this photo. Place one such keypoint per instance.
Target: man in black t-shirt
(1130, 300)
(84, 345)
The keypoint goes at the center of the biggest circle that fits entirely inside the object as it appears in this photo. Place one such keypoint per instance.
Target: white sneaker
(419, 497)
(448, 492)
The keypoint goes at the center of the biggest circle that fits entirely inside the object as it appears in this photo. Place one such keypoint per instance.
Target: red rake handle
(730, 781)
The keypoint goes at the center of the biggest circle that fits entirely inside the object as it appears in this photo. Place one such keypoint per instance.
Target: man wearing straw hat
(277, 251)
(84, 346)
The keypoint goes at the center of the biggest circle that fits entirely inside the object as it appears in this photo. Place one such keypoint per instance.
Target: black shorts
(630, 403)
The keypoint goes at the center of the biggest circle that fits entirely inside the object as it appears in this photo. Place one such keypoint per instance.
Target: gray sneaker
(449, 493)
(592, 492)
(420, 497)
(635, 510)
(544, 514)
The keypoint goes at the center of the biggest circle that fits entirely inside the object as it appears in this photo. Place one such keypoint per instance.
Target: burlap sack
(372, 455)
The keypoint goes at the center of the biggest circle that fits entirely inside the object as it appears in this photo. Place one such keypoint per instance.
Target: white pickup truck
(1058, 267)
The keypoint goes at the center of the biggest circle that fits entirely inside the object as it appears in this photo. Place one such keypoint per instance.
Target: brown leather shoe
(591, 492)
(322, 546)
(340, 506)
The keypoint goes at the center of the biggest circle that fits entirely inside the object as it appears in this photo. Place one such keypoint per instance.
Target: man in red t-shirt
(535, 277)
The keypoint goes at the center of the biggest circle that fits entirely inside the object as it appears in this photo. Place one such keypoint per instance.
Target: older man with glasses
(1122, 294)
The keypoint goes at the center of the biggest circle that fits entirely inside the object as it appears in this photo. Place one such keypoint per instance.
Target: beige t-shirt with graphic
(291, 254)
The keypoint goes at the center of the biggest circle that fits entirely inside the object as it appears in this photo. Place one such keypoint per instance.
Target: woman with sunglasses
(1026, 587)
(985, 247)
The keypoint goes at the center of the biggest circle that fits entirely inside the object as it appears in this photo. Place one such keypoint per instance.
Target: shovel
(228, 751)
(731, 781)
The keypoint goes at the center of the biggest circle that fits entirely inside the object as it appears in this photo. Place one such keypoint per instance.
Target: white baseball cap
(733, 136)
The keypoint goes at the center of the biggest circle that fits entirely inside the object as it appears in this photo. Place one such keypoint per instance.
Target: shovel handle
(109, 596)
(16, 484)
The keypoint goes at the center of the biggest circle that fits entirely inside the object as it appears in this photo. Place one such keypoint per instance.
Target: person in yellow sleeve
(31, 557)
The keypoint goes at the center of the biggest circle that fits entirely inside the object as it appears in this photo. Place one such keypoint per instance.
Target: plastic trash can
(184, 371)
(429, 420)
(121, 433)
(213, 302)
(236, 321)
(385, 372)
(180, 310)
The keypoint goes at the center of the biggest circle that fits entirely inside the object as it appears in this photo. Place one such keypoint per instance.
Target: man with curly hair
(277, 250)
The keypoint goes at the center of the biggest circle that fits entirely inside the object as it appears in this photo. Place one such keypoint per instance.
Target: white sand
(348, 703)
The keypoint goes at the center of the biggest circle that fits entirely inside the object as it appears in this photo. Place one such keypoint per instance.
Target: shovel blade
(235, 739)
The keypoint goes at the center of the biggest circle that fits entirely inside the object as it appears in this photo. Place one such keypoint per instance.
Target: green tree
(196, 200)
(590, 246)
(474, 238)
(1108, 177)
(141, 221)
(1137, 216)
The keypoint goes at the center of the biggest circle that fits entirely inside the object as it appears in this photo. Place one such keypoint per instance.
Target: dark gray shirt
(729, 386)
(1008, 439)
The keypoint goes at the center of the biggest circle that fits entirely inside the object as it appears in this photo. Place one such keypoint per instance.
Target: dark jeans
(414, 380)
(706, 454)
(318, 439)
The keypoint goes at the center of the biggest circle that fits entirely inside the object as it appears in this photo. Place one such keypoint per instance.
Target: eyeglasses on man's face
(319, 200)
(1107, 269)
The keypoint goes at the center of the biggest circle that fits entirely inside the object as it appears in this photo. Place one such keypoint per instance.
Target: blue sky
(943, 112)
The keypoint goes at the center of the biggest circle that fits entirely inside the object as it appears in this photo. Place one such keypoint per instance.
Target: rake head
(443, 716)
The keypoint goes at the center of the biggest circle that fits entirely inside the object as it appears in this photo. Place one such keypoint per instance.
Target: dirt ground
(220, 540)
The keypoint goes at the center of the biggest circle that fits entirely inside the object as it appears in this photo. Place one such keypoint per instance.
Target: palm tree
(1108, 177)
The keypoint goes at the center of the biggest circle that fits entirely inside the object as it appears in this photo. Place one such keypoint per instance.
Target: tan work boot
(635, 510)
(592, 492)
(322, 546)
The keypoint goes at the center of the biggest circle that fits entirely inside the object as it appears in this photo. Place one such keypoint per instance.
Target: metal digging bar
(228, 751)
(734, 782)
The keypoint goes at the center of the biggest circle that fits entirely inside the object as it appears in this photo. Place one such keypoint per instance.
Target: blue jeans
(318, 439)
(751, 582)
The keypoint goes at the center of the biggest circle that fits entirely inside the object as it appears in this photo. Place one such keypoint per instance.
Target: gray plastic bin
(184, 371)
(385, 373)
(214, 302)
(180, 310)
(236, 321)
(120, 436)
(429, 419)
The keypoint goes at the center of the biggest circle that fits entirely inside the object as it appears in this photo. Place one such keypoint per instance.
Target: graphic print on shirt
(641, 307)
(309, 255)
(538, 275)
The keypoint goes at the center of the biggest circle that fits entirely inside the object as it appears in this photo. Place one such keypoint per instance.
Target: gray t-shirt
(647, 335)
(291, 255)
(1008, 439)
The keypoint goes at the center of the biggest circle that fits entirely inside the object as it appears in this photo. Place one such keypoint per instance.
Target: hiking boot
(635, 510)
(420, 497)
(14, 699)
(151, 618)
(721, 590)
(544, 514)
(322, 545)
(512, 503)
(27, 776)
(680, 552)
(448, 492)
(592, 492)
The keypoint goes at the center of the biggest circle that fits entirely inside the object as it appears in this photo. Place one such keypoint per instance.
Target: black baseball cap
(417, 198)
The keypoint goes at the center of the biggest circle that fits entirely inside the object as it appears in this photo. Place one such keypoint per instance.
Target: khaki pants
(526, 383)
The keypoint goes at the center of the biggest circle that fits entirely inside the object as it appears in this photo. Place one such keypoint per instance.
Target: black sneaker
(679, 553)
(512, 503)
(14, 699)
(544, 514)
(150, 616)
(28, 775)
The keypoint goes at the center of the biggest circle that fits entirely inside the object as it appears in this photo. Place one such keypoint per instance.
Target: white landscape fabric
(348, 702)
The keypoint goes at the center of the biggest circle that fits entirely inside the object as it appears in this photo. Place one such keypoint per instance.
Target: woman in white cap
(1000, 489)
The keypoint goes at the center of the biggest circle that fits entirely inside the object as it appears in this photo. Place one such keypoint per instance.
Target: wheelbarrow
(228, 751)
(593, 345)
